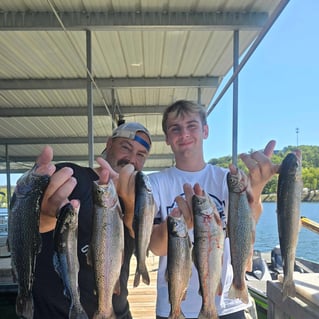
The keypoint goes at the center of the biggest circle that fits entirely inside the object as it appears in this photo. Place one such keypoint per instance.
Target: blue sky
(278, 88)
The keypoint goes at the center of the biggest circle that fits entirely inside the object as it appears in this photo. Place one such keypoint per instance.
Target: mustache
(123, 162)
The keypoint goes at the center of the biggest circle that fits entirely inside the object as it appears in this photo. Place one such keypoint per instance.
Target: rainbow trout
(144, 213)
(106, 250)
(208, 252)
(241, 232)
(179, 263)
(24, 241)
(65, 258)
(288, 216)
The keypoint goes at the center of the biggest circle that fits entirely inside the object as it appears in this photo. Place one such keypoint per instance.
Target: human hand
(185, 204)
(261, 170)
(126, 190)
(106, 172)
(59, 188)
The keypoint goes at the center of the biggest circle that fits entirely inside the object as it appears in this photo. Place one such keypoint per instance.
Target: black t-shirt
(49, 300)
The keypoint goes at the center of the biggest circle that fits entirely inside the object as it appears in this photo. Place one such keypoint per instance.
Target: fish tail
(141, 271)
(77, 314)
(176, 315)
(136, 278)
(145, 276)
(24, 306)
(242, 294)
(288, 289)
(205, 314)
(102, 315)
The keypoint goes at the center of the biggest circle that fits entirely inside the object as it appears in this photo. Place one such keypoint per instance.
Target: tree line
(310, 166)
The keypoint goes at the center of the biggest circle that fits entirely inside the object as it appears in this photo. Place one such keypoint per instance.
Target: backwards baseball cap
(129, 130)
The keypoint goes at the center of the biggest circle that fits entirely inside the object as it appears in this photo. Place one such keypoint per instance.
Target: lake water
(267, 231)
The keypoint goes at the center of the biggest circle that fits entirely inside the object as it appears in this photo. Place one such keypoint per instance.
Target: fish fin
(288, 289)
(75, 313)
(145, 277)
(102, 315)
(217, 218)
(117, 288)
(166, 275)
(56, 264)
(38, 244)
(131, 232)
(208, 314)
(141, 270)
(184, 295)
(136, 281)
(89, 257)
(220, 288)
(242, 294)
(24, 306)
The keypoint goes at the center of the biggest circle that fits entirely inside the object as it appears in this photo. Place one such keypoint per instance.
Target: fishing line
(76, 49)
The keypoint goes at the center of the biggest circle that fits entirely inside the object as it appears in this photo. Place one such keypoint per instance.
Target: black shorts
(235, 315)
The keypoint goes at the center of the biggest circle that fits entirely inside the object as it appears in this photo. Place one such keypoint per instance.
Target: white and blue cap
(129, 130)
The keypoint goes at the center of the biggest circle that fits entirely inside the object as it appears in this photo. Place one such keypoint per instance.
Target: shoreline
(310, 197)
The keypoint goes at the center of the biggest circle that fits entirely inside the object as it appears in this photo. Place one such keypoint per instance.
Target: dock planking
(142, 299)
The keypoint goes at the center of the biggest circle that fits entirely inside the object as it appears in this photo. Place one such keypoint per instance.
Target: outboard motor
(260, 269)
(276, 260)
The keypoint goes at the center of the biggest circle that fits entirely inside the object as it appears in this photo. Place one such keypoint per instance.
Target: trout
(179, 263)
(65, 258)
(144, 212)
(106, 251)
(241, 231)
(208, 252)
(24, 240)
(288, 216)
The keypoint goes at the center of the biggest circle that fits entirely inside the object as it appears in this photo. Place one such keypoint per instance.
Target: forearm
(256, 208)
(158, 242)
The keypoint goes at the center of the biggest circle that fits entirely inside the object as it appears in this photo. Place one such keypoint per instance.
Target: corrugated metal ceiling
(145, 55)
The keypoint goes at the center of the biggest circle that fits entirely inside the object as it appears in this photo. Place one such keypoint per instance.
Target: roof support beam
(76, 111)
(121, 21)
(29, 166)
(62, 140)
(76, 158)
(107, 83)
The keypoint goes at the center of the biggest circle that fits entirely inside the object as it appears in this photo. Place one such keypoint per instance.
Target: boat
(267, 268)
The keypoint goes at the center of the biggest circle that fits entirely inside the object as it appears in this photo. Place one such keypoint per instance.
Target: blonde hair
(182, 107)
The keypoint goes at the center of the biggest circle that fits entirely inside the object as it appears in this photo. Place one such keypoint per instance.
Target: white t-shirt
(168, 184)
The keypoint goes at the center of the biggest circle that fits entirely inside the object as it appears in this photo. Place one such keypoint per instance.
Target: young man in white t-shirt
(185, 126)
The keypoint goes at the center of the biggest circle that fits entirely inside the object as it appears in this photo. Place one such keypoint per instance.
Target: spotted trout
(179, 263)
(241, 232)
(65, 258)
(208, 252)
(106, 249)
(289, 190)
(144, 213)
(24, 241)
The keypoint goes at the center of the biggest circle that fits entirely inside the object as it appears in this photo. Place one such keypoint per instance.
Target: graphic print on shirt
(219, 205)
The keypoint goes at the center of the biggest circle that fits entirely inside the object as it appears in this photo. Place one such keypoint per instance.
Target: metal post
(89, 97)
(8, 176)
(235, 98)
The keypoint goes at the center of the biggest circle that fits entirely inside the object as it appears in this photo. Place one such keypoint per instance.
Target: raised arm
(261, 170)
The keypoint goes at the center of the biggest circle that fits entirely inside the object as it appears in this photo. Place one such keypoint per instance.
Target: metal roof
(128, 59)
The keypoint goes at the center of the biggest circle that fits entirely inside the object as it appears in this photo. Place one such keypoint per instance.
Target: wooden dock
(304, 305)
(142, 299)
